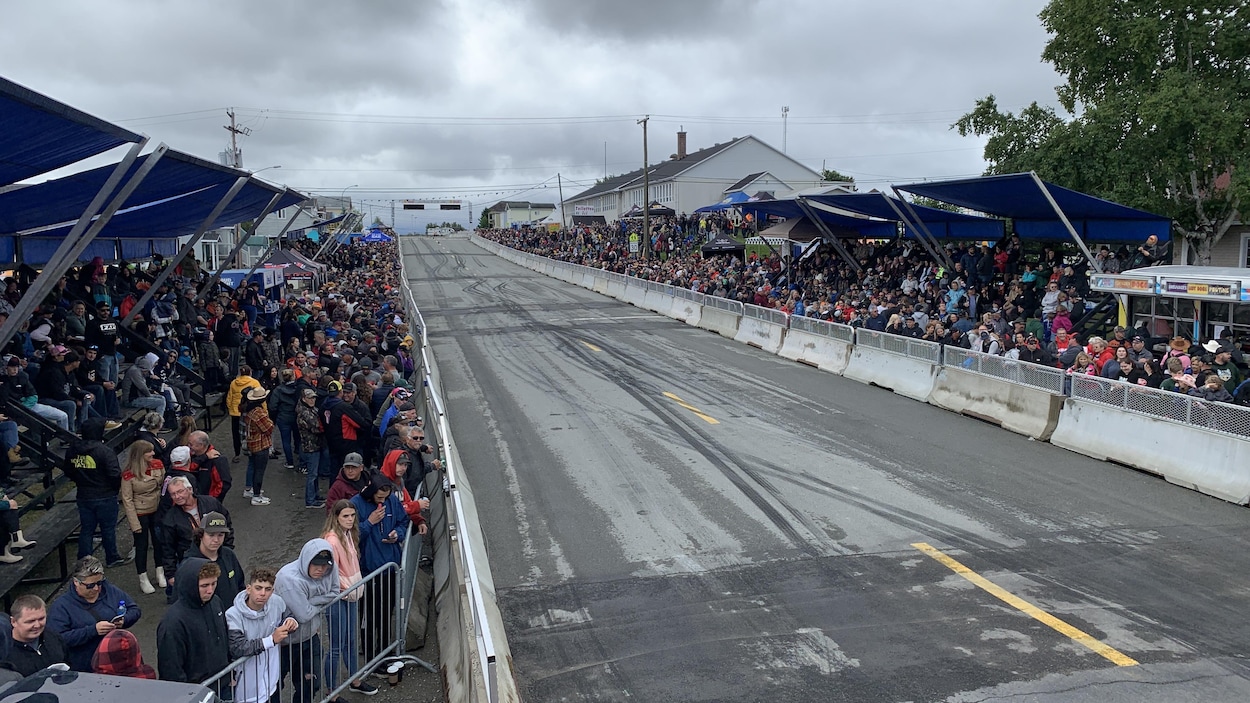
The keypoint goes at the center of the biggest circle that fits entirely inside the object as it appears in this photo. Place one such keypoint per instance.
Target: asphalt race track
(673, 516)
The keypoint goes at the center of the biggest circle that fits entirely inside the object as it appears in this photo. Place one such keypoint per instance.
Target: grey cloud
(641, 19)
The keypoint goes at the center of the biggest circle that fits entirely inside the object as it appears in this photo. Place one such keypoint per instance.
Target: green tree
(926, 201)
(828, 174)
(483, 222)
(1156, 111)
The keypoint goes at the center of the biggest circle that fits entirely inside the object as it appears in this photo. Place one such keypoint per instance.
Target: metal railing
(1209, 415)
(921, 349)
(833, 330)
(1044, 378)
(769, 315)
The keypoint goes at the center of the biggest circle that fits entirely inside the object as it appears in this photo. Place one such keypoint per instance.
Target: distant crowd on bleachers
(1000, 300)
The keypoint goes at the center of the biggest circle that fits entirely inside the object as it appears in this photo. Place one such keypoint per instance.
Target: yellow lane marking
(706, 418)
(590, 346)
(1115, 656)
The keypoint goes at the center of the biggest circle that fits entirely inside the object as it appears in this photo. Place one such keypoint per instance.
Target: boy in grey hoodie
(258, 623)
(307, 585)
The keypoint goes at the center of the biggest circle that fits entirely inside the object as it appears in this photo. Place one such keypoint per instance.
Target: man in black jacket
(192, 641)
(93, 467)
(178, 523)
(254, 354)
(347, 425)
(33, 646)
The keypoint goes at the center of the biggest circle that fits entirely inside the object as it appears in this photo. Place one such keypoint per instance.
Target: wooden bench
(51, 533)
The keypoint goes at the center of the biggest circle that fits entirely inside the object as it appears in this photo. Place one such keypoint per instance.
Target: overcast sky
(484, 100)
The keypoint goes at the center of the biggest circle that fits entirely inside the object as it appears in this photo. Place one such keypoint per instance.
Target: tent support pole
(186, 248)
(347, 224)
(923, 235)
(828, 235)
(76, 241)
(272, 245)
(1089, 256)
(238, 246)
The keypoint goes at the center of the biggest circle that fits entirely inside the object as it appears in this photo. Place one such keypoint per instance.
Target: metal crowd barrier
(903, 346)
(769, 315)
(1212, 416)
(354, 634)
(833, 330)
(1024, 373)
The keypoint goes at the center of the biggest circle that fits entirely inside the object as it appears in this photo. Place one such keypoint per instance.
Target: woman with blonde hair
(341, 532)
(142, 478)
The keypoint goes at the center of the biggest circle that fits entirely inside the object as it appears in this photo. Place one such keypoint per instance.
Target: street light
(265, 169)
(343, 194)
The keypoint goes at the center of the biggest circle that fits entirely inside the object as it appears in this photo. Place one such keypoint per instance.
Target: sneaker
(290, 467)
(260, 500)
(247, 492)
(316, 504)
(110, 425)
(122, 561)
(303, 470)
(364, 688)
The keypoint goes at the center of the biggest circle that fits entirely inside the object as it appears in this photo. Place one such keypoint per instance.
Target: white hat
(180, 455)
(1212, 346)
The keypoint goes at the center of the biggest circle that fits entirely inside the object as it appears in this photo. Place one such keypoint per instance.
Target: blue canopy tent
(1041, 210)
(943, 224)
(729, 201)
(376, 235)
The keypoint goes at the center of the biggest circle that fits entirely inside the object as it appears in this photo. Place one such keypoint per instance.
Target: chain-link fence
(1044, 378)
(903, 346)
(1167, 405)
(842, 333)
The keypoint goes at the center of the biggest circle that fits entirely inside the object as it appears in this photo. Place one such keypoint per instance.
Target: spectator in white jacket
(258, 624)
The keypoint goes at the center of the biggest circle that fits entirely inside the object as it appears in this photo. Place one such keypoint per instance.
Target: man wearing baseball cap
(314, 455)
(351, 480)
(210, 544)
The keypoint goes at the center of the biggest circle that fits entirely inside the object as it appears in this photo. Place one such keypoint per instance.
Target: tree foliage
(828, 174)
(1156, 110)
(483, 222)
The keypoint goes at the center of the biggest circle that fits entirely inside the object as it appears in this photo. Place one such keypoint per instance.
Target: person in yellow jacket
(234, 397)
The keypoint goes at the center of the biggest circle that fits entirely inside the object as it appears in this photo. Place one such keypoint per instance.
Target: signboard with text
(1122, 284)
(1212, 290)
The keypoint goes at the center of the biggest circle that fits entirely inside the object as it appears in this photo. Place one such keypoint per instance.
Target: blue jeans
(343, 618)
(286, 430)
(53, 415)
(8, 435)
(154, 403)
(98, 513)
(69, 407)
(256, 464)
(108, 365)
(318, 463)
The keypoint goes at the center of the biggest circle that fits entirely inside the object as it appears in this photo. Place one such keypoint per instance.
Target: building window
(1245, 245)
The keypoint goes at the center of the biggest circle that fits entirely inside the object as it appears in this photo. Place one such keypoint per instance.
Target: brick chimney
(681, 143)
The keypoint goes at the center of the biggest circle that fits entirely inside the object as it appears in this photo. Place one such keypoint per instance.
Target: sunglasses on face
(91, 586)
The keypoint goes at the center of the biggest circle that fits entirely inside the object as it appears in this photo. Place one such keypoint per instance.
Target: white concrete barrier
(1022, 409)
(764, 335)
(823, 352)
(687, 311)
(588, 279)
(719, 321)
(657, 301)
(904, 375)
(600, 285)
(1210, 462)
(616, 289)
(634, 295)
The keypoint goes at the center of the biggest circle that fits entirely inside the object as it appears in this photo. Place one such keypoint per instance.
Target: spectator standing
(33, 645)
(382, 534)
(102, 333)
(1223, 365)
(314, 455)
(191, 640)
(258, 622)
(306, 585)
(396, 467)
(142, 480)
(211, 470)
(119, 655)
(283, 402)
(234, 400)
(210, 544)
(178, 524)
(258, 429)
(343, 615)
(93, 468)
(351, 480)
(88, 611)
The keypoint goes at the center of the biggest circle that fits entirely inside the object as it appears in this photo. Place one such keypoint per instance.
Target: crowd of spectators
(319, 380)
(1001, 300)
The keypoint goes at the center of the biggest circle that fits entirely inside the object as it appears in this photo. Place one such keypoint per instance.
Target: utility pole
(560, 185)
(646, 192)
(785, 120)
(236, 157)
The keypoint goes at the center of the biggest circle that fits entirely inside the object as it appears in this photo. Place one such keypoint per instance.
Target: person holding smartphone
(91, 609)
(383, 529)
